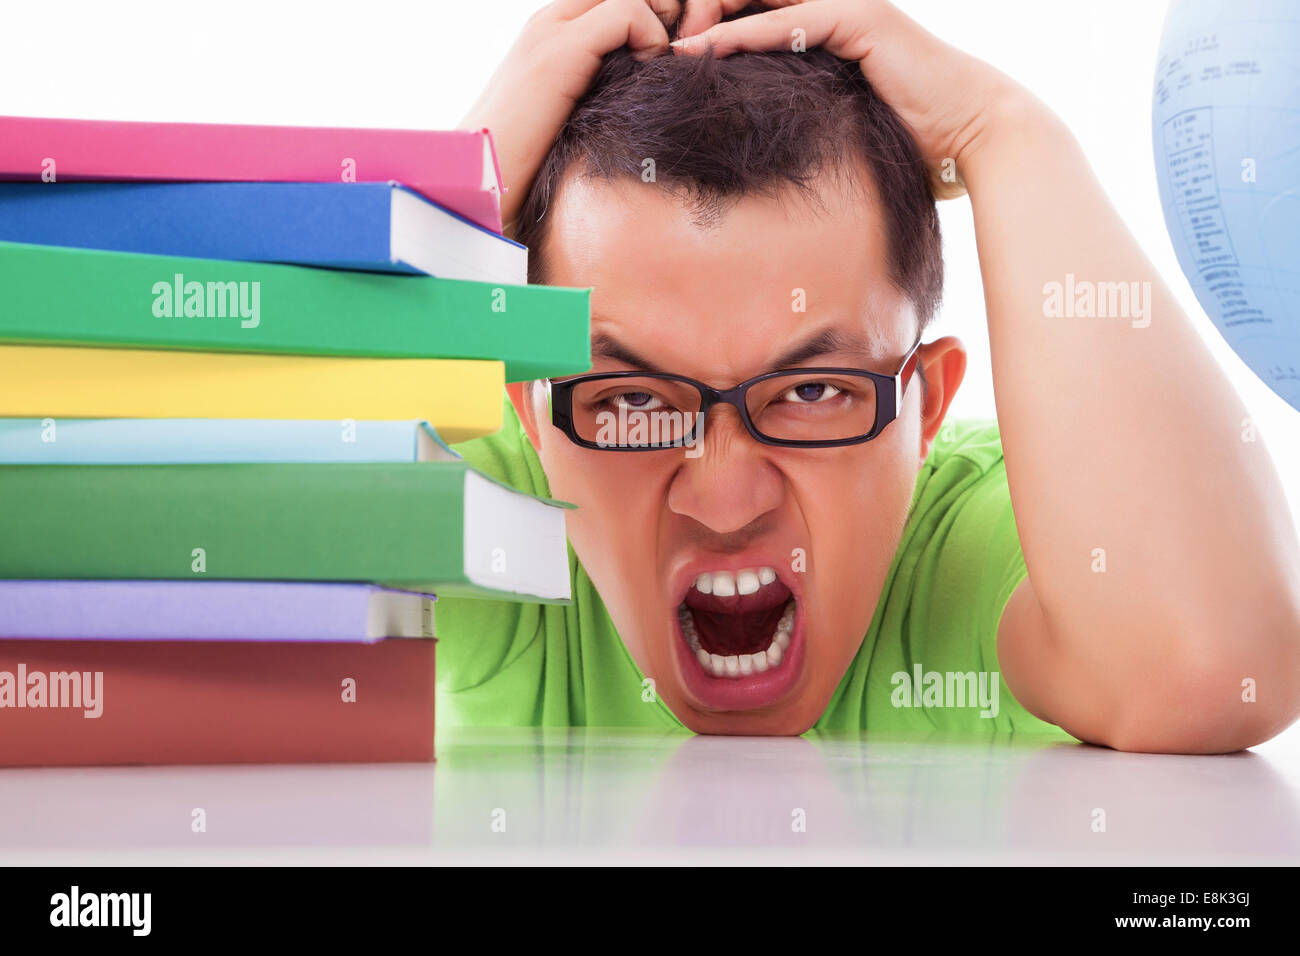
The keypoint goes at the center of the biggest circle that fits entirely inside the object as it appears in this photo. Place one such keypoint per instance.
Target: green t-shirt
(503, 663)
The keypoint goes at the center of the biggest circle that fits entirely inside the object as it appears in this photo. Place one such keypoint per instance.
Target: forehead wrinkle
(828, 341)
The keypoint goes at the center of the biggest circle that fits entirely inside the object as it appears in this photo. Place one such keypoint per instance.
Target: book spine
(163, 441)
(306, 223)
(462, 399)
(401, 525)
(62, 296)
(454, 168)
(80, 703)
(190, 610)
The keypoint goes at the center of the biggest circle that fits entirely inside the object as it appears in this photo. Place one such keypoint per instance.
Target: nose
(730, 483)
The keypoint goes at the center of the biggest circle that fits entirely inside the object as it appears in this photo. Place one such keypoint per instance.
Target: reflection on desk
(589, 793)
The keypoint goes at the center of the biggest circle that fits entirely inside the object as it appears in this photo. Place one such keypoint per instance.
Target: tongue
(744, 632)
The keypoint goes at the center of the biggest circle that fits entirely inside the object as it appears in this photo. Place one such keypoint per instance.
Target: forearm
(1152, 521)
(547, 71)
(518, 125)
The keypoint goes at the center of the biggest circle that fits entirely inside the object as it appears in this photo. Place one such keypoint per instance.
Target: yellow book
(461, 398)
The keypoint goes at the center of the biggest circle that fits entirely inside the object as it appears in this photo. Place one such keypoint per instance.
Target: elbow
(1228, 692)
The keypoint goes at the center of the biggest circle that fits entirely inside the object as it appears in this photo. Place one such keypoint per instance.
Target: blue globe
(1226, 125)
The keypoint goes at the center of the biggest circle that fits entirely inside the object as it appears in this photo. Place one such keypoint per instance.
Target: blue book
(176, 441)
(376, 227)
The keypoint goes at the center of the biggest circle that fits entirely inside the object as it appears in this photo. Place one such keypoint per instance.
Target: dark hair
(750, 123)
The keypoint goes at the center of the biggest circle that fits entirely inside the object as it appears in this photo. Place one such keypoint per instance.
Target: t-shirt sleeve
(968, 562)
(519, 663)
(480, 639)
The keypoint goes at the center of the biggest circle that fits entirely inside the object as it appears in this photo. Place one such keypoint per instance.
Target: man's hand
(946, 97)
(548, 70)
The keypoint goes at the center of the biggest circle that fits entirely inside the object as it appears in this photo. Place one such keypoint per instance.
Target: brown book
(205, 702)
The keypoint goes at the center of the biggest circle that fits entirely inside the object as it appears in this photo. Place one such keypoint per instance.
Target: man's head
(728, 214)
(713, 132)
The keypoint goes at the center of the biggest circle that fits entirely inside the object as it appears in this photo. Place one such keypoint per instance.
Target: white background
(421, 64)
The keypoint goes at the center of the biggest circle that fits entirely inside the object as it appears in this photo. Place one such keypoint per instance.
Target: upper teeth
(727, 584)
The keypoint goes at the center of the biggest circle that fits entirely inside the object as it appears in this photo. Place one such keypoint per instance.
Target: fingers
(568, 9)
(702, 14)
(837, 27)
(611, 24)
(666, 10)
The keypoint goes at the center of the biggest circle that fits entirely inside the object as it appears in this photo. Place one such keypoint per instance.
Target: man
(807, 545)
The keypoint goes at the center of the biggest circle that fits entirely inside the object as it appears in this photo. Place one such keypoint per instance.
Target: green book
(54, 295)
(435, 526)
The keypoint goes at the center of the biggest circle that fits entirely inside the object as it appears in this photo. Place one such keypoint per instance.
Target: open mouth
(740, 637)
(738, 624)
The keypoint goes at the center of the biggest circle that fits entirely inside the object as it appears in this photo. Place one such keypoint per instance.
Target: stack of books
(231, 359)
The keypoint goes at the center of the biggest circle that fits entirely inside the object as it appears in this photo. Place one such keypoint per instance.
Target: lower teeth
(740, 665)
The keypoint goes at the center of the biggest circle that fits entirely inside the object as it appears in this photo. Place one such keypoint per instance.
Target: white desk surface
(625, 796)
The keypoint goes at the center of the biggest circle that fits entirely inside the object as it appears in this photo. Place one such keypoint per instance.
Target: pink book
(455, 168)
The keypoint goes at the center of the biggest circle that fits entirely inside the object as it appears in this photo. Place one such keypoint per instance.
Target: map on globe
(1226, 128)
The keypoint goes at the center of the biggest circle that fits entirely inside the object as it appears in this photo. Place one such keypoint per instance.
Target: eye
(636, 401)
(809, 393)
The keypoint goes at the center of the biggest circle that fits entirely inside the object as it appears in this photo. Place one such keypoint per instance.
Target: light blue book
(175, 441)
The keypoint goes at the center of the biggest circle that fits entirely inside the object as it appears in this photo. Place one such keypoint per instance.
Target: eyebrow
(606, 346)
(824, 342)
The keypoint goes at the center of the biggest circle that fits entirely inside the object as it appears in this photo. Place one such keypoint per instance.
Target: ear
(524, 397)
(944, 361)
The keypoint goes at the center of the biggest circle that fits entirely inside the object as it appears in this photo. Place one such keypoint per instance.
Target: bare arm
(1163, 561)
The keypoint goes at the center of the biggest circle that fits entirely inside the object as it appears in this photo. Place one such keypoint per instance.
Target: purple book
(210, 611)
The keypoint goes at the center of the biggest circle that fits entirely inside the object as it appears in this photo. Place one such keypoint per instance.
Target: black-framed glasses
(794, 408)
